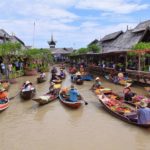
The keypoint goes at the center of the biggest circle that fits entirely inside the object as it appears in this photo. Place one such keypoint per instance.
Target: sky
(73, 23)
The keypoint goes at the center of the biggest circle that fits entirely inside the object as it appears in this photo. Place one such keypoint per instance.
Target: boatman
(143, 113)
(73, 94)
(3, 96)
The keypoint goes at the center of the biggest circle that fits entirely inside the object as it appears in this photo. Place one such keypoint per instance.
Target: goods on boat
(28, 94)
(120, 110)
(45, 99)
(4, 104)
(87, 77)
(63, 98)
(48, 97)
(102, 90)
(40, 79)
(57, 81)
(122, 82)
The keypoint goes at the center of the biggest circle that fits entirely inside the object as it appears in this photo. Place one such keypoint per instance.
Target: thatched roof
(61, 50)
(94, 42)
(123, 43)
(142, 26)
(111, 36)
(4, 34)
(16, 39)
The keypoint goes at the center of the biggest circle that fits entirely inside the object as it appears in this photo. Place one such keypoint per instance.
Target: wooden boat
(28, 94)
(63, 97)
(4, 106)
(88, 77)
(45, 99)
(121, 82)
(57, 81)
(129, 117)
(40, 80)
(101, 90)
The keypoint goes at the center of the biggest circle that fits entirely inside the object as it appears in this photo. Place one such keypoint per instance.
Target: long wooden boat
(57, 81)
(45, 99)
(41, 80)
(74, 105)
(4, 105)
(129, 117)
(121, 82)
(28, 94)
(88, 77)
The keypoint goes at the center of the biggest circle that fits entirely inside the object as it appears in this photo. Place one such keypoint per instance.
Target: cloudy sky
(74, 23)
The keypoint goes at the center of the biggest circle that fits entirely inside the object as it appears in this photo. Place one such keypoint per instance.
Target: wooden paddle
(14, 96)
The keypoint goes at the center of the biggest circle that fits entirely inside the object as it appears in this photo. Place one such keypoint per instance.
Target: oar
(14, 96)
(85, 102)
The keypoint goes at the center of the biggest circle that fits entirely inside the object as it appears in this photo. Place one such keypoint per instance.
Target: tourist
(128, 94)
(3, 68)
(143, 113)
(3, 96)
(73, 94)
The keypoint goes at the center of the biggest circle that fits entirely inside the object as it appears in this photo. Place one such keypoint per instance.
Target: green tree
(94, 48)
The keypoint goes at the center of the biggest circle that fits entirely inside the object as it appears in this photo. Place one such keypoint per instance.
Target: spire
(52, 43)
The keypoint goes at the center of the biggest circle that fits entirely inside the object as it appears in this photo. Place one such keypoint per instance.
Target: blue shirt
(143, 115)
(73, 95)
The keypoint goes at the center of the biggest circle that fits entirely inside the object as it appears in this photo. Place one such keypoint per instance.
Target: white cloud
(63, 19)
(115, 6)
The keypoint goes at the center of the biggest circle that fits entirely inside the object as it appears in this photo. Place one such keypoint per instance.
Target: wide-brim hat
(128, 85)
(120, 75)
(143, 104)
(97, 78)
(78, 73)
(27, 82)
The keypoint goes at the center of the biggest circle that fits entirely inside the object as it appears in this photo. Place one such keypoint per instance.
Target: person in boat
(27, 86)
(128, 94)
(143, 113)
(54, 70)
(54, 77)
(73, 94)
(42, 75)
(3, 96)
(62, 74)
(73, 70)
(82, 70)
(97, 83)
(78, 77)
(52, 89)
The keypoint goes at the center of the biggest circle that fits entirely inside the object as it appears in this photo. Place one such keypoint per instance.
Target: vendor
(128, 94)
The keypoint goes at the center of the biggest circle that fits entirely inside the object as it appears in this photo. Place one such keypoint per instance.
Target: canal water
(27, 126)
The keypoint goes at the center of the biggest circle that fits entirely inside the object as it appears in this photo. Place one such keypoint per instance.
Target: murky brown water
(26, 126)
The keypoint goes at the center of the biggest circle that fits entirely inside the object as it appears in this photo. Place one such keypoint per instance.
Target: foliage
(82, 51)
(141, 46)
(8, 48)
(94, 48)
(42, 54)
